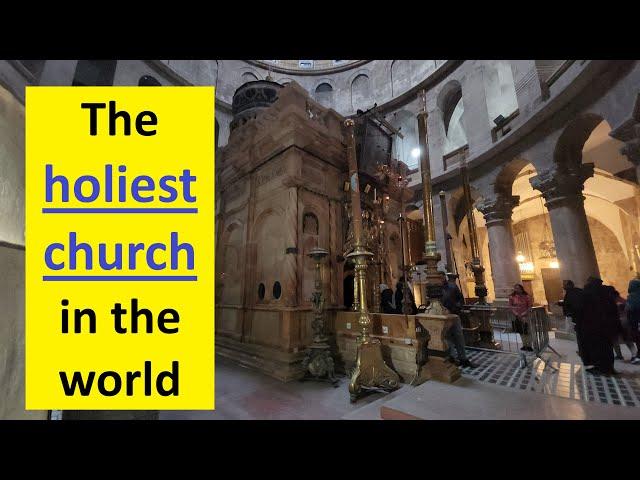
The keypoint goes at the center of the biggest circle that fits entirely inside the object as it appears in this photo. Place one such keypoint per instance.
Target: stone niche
(280, 178)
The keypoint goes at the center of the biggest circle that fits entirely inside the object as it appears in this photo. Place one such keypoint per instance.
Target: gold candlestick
(476, 264)
(370, 370)
(431, 257)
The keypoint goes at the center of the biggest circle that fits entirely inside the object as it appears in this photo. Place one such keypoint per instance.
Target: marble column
(632, 150)
(502, 250)
(562, 187)
(476, 121)
(58, 72)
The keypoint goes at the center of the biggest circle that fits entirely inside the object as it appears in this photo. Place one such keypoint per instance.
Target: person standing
(453, 300)
(573, 307)
(386, 299)
(625, 335)
(520, 304)
(598, 328)
(632, 314)
(399, 297)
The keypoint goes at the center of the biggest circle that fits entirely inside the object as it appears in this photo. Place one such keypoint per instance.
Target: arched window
(94, 72)
(500, 92)
(453, 105)
(148, 81)
(324, 87)
(360, 92)
(324, 94)
(452, 108)
(400, 78)
(248, 77)
(310, 224)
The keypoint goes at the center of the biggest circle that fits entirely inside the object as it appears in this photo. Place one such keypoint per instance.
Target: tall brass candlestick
(476, 264)
(318, 361)
(431, 255)
(370, 370)
(445, 230)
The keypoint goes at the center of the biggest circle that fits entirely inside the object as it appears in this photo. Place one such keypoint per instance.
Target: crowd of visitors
(603, 321)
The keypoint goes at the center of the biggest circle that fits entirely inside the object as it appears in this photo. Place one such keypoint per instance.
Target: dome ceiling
(307, 66)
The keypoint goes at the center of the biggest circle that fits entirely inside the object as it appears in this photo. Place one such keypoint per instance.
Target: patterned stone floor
(569, 379)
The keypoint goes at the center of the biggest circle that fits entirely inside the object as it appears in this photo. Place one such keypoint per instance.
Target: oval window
(261, 290)
(277, 290)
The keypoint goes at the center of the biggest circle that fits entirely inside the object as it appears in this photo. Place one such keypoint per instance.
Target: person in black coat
(386, 299)
(452, 298)
(598, 329)
(399, 296)
(573, 307)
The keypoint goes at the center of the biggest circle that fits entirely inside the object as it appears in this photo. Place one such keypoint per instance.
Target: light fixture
(547, 247)
(345, 187)
(520, 258)
(367, 188)
(415, 153)
(526, 268)
(554, 264)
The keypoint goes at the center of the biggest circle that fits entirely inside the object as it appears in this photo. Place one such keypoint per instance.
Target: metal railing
(512, 335)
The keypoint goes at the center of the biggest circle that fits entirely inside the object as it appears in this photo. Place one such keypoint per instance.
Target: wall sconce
(554, 264)
(345, 187)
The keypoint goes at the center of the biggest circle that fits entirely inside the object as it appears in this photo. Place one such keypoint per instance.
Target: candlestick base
(319, 365)
(371, 372)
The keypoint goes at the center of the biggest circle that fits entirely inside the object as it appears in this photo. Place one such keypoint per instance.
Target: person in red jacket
(520, 304)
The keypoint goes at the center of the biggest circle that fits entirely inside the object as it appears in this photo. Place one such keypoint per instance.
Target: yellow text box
(90, 197)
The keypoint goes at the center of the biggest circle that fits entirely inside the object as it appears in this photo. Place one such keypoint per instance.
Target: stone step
(469, 399)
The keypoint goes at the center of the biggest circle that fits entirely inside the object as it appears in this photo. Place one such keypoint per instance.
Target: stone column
(562, 188)
(502, 251)
(476, 121)
(58, 72)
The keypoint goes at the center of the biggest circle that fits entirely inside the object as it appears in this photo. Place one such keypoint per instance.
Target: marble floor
(244, 394)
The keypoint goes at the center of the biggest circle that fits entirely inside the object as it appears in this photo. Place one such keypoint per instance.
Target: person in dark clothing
(625, 335)
(573, 307)
(632, 313)
(453, 300)
(386, 299)
(598, 329)
(452, 297)
(399, 296)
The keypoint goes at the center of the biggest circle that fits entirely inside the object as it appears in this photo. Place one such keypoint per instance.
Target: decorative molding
(559, 185)
(498, 209)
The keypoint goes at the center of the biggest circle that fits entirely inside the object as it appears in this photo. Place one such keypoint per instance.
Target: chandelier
(546, 246)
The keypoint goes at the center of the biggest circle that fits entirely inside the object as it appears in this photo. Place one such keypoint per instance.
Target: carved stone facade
(280, 179)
